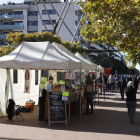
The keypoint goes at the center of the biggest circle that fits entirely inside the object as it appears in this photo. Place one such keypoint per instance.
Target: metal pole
(69, 99)
(53, 32)
(76, 29)
(62, 20)
(63, 17)
(7, 87)
(40, 15)
(47, 14)
(80, 93)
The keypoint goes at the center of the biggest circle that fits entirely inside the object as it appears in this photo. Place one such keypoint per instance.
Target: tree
(5, 50)
(115, 22)
(17, 38)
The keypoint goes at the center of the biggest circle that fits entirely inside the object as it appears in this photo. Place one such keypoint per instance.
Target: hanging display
(27, 81)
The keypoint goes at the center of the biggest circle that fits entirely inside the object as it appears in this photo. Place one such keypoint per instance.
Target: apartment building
(28, 18)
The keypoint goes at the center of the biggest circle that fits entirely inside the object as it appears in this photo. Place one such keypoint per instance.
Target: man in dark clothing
(89, 94)
(136, 83)
(105, 80)
(43, 92)
(131, 100)
(122, 85)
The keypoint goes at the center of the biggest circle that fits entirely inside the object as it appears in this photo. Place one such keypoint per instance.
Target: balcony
(13, 7)
(11, 17)
(5, 27)
(3, 37)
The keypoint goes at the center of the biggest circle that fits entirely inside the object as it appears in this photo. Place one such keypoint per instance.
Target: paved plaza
(108, 122)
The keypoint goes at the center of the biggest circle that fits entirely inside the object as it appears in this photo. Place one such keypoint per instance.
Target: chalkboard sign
(57, 108)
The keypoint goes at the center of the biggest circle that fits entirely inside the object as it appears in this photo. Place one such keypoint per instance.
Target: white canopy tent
(100, 68)
(92, 65)
(67, 53)
(33, 56)
(36, 55)
(3, 78)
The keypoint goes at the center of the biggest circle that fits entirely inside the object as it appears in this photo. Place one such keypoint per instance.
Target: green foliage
(113, 21)
(18, 37)
(6, 50)
(114, 64)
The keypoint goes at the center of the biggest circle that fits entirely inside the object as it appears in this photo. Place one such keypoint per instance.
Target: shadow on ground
(101, 121)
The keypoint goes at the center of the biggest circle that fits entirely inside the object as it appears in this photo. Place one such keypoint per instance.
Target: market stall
(38, 56)
(83, 65)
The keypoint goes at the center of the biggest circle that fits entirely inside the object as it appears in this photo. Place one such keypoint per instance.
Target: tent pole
(69, 99)
(39, 86)
(7, 87)
(80, 92)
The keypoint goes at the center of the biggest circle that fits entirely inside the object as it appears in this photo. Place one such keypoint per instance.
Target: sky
(15, 1)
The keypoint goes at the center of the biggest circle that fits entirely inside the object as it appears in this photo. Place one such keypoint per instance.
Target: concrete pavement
(108, 122)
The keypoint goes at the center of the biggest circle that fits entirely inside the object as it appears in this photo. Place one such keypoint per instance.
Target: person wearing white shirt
(50, 82)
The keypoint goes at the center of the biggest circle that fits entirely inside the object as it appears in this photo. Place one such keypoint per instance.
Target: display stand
(57, 112)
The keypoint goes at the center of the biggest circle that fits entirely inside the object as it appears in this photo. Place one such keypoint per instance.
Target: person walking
(89, 94)
(122, 85)
(105, 80)
(136, 83)
(131, 100)
(111, 82)
(117, 78)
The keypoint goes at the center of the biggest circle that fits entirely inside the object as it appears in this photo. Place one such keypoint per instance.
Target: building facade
(92, 46)
(28, 18)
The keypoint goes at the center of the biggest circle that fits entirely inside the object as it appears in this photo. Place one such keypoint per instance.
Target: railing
(11, 16)
(11, 26)
(3, 36)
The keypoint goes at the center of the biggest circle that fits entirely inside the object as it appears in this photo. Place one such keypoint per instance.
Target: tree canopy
(115, 22)
(5, 50)
(17, 38)
(114, 64)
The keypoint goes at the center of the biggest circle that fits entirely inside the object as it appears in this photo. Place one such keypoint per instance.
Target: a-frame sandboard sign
(57, 112)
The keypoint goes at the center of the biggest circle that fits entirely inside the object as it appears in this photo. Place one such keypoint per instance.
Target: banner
(27, 81)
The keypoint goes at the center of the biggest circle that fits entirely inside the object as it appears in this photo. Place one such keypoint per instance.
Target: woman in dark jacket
(131, 100)
(89, 95)
(122, 85)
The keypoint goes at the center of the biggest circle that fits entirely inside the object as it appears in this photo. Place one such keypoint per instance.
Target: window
(75, 12)
(18, 31)
(5, 33)
(46, 31)
(8, 13)
(8, 23)
(50, 12)
(36, 77)
(15, 76)
(32, 31)
(5, 43)
(47, 22)
(75, 22)
(32, 23)
(18, 12)
(32, 13)
(18, 22)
